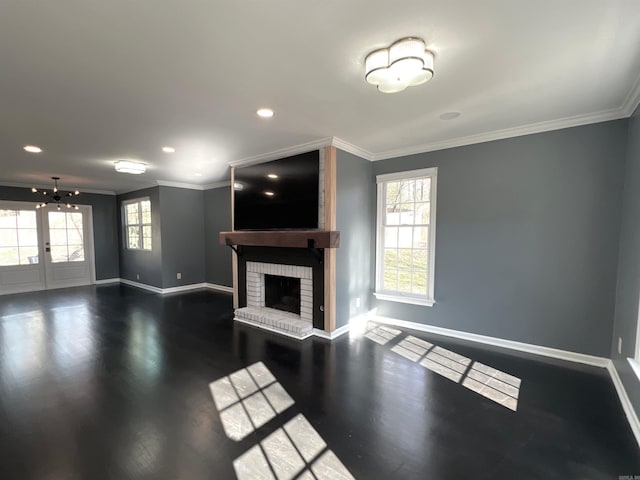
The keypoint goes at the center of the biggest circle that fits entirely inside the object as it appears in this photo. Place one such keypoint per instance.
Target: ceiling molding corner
(567, 122)
(43, 186)
(210, 186)
(282, 153)
(136, 189)
(352, 149)
(189, 186)
(632, 100)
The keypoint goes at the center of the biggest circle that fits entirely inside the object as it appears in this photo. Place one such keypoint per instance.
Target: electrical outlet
(137, 276)
(179, 276)
(619, 345)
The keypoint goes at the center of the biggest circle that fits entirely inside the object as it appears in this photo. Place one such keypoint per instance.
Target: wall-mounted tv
(278, 195)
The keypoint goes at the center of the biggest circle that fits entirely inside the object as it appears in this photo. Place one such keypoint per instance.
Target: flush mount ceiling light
(265, 112)
(127, 166)
(168, 149)
(32, 149)
(406, 63)
(56, 196)
(272, 176)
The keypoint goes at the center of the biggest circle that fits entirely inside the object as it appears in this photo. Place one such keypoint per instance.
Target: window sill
(425, 302)
(635, 366)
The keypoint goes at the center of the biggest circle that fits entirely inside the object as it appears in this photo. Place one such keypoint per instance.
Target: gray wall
(628, 290)
(146, 264)
(355, 218)
(527, 237)
(217, 218)
(104, 210)
(183, 238)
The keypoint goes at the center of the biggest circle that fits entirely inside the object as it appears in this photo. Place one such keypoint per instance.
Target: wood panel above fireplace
(283, 238)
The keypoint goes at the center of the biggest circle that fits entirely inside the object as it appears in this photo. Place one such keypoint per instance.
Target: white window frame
(126, 226)
(380, 293)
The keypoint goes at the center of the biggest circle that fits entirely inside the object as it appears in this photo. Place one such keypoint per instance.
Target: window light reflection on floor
(248, 399)
(487, 381)
(293, 451)
(381, 334)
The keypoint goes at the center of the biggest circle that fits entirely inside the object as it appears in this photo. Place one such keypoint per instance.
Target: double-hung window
(137, 224)
(406, 236)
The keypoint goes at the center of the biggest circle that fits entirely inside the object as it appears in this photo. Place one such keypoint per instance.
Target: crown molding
(626, 110)
(144, 186)
(567, 122)
(351, 148)
(633, 99)
(48, 187)
(210, 186)
(304, 148)
(282, 153)
(189, 186)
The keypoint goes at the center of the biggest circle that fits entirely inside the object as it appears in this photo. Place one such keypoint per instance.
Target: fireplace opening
(282, 293)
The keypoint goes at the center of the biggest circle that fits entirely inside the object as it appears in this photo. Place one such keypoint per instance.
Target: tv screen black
(278, 195)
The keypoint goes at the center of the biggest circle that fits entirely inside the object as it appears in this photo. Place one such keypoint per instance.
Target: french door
(45, 248)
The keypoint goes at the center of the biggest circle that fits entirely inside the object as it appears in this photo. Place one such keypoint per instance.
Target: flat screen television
(278, 195)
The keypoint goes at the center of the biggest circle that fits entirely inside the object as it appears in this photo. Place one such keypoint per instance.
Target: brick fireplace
(303, 262)
(277, 316)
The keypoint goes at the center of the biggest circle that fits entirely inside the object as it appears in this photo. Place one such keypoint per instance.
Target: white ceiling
(92, 81)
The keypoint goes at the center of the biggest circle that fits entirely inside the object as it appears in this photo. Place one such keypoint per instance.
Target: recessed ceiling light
(127, 166)
(168, 149)
(269, 194)
(32, 149)
(450, 115)
(272, 175)
(265, 113)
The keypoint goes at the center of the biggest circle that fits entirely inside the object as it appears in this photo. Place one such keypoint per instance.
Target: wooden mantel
(283, 238)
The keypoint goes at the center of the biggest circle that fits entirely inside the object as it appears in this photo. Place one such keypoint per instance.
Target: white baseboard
(499, 342)
(163, 291)
(592, 360)
(107, 281)
(627, 406)
(332, 335)
(184, 288)
(220, 288)
(143, 286)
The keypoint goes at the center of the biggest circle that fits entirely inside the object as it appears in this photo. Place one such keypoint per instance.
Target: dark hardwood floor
(112, 382)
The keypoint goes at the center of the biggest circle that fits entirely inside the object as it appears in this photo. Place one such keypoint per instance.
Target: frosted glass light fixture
(406, 63)
(127, 166)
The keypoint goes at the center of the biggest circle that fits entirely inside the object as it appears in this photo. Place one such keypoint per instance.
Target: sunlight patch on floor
(248, 399)
(487, 381)
(251, 397)
(294, 451)
(381, 334)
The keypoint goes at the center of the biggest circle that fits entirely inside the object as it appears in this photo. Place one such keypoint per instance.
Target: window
(18, 237)
(406, 236)
(137, 219)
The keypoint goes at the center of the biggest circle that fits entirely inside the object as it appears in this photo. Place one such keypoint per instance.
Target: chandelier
(406, 63)
(56, 196)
